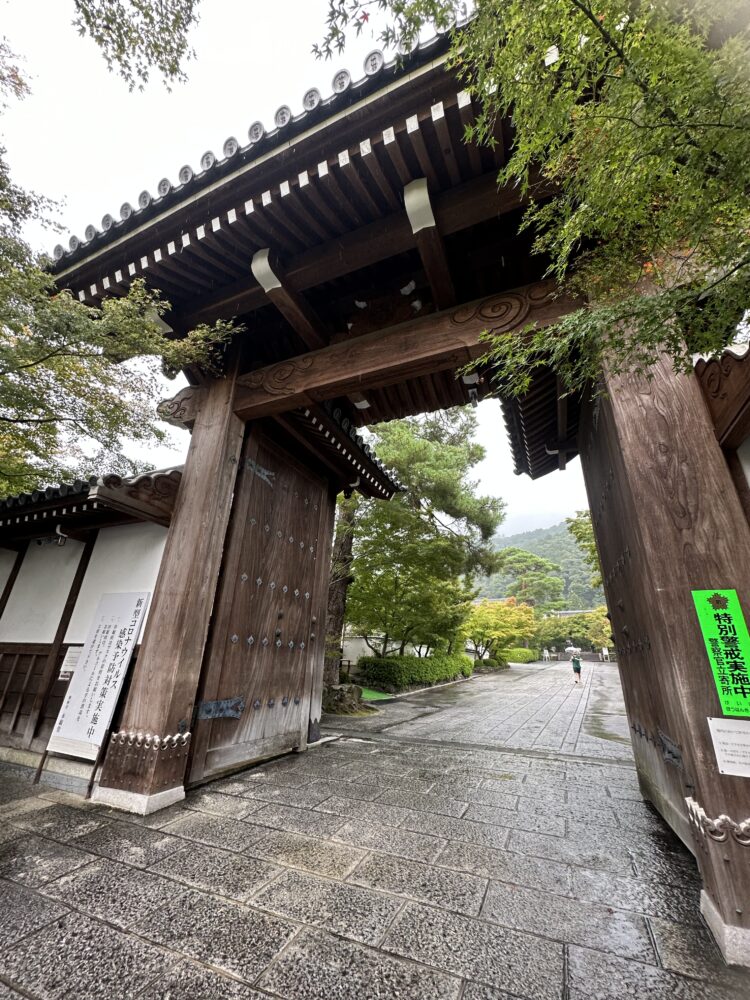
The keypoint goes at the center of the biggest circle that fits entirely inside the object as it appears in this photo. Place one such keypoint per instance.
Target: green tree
(495, 625)
(590, 630)
(631, 124)
(533, 579)
(414, 558)
(76, 380)
(581, 528)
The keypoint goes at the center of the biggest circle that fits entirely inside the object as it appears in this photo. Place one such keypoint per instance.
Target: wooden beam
(455, 210)
(562, 422)
(429, 242)
(440, 341)
(292, 306)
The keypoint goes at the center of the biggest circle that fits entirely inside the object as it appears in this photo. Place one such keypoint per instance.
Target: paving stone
(318, 966)
(112, 891)
(191, 982)
(614, 859)
(519, 819)
(77, 957)
(279, 817)
(569, 920)
(135, 845)
(60, 822)
(593, 975)
(507, 867)
(224, 872)
(423, 803)
(492, 797)
(8, 832)
(426, 883)
(664, 862)
(218, 831)
(478, 991)
(692, 951)
(386, 780)
(457, 829)
(154, 821)
(318, 856)
(32, 861)
(364, 791)
(355, 809)
(511, 960)
(23, 912)
(336, 906)
(302, 797)
(374, 836)
(6, 993)
(227, 936)
(219, 804)
(659, 899)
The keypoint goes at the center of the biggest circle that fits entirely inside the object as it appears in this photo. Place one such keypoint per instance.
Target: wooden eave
(541, 432)
(74, 510)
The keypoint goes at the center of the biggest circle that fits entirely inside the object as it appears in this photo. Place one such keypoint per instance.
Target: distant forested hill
(557, 545)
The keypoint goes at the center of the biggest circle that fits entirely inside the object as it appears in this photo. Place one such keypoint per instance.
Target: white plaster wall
(7, 562)
(33, 611)
(124, 559)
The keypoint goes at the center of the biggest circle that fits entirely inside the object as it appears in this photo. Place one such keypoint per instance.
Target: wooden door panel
(265, 623)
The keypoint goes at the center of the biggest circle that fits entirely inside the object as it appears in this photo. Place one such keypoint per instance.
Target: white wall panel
(124, 559)
(33, 611)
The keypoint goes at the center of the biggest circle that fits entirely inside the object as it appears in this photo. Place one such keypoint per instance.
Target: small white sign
(92, 694)
(731, 739)
(68, 665)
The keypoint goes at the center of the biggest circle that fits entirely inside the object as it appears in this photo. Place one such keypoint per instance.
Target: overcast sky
(83, 140)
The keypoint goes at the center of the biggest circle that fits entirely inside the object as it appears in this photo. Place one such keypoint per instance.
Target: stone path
(420, 858)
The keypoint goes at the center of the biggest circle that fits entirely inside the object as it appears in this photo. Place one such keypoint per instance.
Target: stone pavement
(424, 861)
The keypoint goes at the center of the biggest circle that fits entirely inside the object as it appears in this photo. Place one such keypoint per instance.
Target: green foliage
(632, 137)
(136, 35)
(581, 528)
(493, 625)
(491, 664)
(591, 630)
(557, 546)
(76, 380)
(395, 673)
(519, 654)
(414, 556)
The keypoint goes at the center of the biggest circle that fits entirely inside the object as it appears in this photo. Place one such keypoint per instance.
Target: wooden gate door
(267, 629)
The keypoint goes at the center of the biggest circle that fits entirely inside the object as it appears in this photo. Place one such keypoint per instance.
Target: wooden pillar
(145, 775)
(667, 521)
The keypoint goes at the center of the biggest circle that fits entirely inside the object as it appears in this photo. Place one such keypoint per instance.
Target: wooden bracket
(429, 242)
(293, 307)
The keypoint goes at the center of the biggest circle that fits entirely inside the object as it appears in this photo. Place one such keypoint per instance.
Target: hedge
(491, 664)
(520, 655)
(394, 673)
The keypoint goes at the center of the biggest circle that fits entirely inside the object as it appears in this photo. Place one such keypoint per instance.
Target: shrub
(491, 664)
(394, 673)
(520, 655)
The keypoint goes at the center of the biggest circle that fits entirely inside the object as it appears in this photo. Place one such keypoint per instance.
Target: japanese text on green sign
(728, 646)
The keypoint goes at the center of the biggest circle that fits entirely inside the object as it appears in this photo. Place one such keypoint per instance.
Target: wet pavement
(480, 842)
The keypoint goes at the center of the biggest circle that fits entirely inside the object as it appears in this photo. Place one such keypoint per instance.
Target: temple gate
(366, 248)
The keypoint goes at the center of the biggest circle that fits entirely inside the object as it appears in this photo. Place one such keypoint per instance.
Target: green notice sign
(728, 646)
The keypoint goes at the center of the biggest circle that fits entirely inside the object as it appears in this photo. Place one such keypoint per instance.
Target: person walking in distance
(576, 661)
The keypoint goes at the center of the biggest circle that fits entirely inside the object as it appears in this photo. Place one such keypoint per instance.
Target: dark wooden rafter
(429, 242)
(293, 307)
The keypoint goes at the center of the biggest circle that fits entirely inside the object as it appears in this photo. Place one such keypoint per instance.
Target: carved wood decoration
(667, 520)
(438, 342)
(268, 626)
(725, 382)
(182, 409)
(150, 497)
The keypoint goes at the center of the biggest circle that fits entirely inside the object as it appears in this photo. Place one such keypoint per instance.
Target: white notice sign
(72, 656)
(94, 689)
(732, 745)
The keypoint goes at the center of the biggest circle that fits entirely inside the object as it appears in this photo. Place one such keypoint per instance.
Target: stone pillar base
(733, 941)
(134, 802)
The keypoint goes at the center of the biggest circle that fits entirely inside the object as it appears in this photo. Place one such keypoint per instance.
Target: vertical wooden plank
(321, 597)
(668, 520)
(165, 680)
(47, 678)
